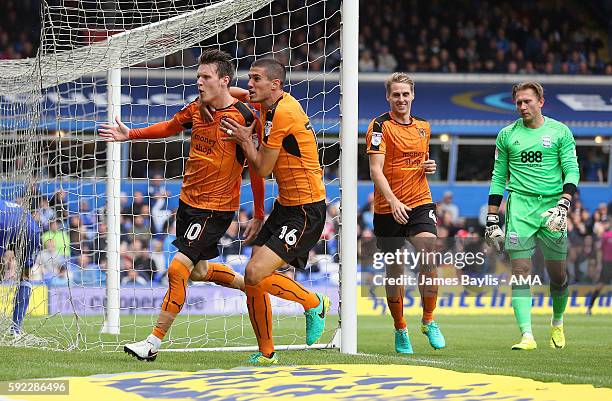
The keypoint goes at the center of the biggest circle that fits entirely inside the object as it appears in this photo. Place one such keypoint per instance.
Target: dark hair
(274, 69)
(223, 61)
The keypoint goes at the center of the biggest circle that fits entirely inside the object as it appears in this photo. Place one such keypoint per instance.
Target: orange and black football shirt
(405, 147)
(213, 173)
(297, 171)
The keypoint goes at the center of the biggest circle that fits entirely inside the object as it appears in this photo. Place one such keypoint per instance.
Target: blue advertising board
(455, 108)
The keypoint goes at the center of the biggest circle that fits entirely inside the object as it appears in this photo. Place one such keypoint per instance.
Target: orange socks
(396, 307)
(260, 309)
(283, 287)
(220, 274)
(159, 333)
(178, 274)
(260, 313)
(429, 297)
(429, 304)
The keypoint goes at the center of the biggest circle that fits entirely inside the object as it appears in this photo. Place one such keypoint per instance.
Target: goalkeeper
(538, 157)
(20, 233)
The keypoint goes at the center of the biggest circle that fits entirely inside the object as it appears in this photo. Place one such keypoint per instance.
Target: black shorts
(292, 231)
(606, 273)
(198, 231)
(391, 235)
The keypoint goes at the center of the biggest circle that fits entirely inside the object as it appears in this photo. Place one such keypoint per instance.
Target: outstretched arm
(120, 132)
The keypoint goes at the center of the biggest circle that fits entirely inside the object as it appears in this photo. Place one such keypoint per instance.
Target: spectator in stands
(133, 278)
(61, 278)
(159, 259)
(59, 202)
(48, 262)
(366, 62)
(99, 243)
(447, 206)
(59, 237)
(386, 60)
(138, 204)
(85, 272)
(157, 185)
(46, 213)
(141, 229)
(143, 263)
(160, 211)
(88, 218)
(8, 266)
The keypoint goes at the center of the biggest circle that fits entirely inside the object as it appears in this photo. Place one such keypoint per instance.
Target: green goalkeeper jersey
(534, 161)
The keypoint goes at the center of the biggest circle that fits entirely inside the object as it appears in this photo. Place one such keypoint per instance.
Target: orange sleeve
(375, 142)
(258, 188)
(282, 122)
(179, 122)
(159, 130)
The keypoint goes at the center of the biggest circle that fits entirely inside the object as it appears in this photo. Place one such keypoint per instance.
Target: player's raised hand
(236, 132)
(252, 229)
(206, 111)
(114, 133)
(399, 211)
(429, 165)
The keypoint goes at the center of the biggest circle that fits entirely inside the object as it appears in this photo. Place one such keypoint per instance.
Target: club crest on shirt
(267, 128)
(422, 132)
(376, 138)
(546, 141)
(513, 238)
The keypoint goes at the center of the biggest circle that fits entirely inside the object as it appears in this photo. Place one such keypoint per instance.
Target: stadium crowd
(74, 243)
(19, 29)
(482, 37)
(547, 37)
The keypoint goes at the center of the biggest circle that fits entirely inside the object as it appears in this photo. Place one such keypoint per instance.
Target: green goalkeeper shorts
(525, 228)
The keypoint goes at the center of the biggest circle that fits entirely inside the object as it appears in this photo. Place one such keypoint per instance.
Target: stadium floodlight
(101, 59)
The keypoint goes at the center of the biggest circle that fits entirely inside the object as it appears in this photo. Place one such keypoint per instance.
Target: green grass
(474, 344)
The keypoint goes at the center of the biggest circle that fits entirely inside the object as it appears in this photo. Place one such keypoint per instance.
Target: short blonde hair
(399, 77)
(536, 87)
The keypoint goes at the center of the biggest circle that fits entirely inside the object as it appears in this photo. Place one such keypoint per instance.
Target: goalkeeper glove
(494, 236)
(557, 216)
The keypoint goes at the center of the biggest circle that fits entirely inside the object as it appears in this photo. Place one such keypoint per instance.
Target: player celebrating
(397, 145)
(19, 233)
(538, 157)
(210, 193)
(289, 150)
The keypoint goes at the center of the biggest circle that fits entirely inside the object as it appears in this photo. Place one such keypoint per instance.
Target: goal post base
(333, 344)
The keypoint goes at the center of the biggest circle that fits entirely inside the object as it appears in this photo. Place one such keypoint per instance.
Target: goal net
(106, 211)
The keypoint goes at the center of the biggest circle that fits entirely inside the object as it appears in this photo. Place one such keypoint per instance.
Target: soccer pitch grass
(474, 344)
